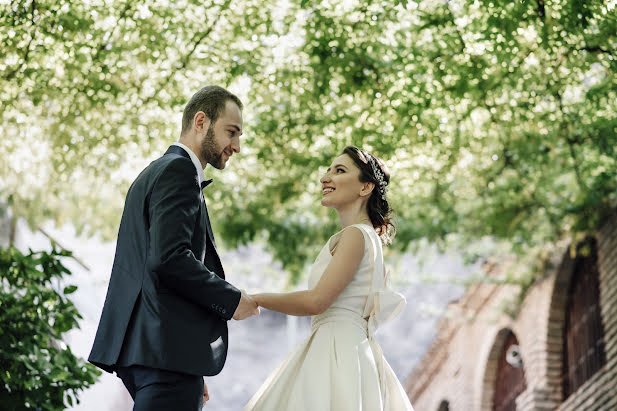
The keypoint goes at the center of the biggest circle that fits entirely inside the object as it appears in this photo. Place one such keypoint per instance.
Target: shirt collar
(200, 171)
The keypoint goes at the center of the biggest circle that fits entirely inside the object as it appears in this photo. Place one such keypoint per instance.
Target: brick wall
(600, 392)
(461, 364)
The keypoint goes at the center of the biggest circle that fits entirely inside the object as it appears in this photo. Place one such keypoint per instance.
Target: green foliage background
(37, 370)
(495, 117)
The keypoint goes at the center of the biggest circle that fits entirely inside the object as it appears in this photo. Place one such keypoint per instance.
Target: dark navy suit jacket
(168, 303)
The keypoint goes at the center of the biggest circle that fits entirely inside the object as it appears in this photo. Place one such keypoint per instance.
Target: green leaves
(38, 369)
(70, 289)
(496, 118)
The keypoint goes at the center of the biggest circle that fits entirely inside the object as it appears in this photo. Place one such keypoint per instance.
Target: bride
(340, 366)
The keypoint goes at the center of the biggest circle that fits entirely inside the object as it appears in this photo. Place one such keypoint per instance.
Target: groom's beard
(210, 150)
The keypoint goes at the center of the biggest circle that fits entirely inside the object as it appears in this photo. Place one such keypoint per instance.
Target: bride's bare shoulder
(351, 235)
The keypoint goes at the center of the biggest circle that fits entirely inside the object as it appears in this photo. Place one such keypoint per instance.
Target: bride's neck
(350, 218)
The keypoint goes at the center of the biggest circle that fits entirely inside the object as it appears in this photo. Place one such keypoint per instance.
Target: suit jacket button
(224, 311)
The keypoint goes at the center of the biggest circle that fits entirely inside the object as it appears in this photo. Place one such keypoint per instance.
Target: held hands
(206, 395)
(246, 308)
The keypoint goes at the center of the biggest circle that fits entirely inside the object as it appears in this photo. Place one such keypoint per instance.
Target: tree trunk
(7, 226)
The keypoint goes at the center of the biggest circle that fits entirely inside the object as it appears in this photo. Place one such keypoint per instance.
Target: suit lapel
(212, 255)
(208, 225)
(180, 151)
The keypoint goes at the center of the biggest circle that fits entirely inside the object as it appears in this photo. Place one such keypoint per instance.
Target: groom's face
(222, 138)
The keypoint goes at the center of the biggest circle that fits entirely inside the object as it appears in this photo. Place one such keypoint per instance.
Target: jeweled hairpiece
(379, 176)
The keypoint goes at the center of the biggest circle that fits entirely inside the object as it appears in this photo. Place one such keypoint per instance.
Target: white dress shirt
(200, 171)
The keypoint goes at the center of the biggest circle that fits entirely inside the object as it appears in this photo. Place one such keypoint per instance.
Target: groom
(164, 322)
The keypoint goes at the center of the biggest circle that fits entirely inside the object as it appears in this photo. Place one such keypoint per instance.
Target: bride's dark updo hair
(373, 170)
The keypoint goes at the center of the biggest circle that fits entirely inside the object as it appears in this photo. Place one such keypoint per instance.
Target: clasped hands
(246, 308)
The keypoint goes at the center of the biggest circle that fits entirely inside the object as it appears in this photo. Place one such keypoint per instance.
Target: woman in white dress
(340, 366)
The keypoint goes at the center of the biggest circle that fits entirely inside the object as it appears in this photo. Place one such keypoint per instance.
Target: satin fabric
(340, 366)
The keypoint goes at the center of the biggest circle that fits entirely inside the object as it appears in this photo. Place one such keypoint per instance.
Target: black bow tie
(204, 184)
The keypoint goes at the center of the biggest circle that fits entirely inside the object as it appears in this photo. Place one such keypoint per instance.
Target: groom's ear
(201, 122)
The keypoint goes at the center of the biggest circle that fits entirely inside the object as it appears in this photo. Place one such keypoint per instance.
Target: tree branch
(9, 76)
(110, 34)
(54, 241)
(577, 170)
(571, 142)
(596, 49)
(184, 61)
(541, 9)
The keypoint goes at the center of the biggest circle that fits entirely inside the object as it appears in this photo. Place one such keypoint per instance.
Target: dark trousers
(160, 390)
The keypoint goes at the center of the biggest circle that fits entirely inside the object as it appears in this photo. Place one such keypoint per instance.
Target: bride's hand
(206, 394)
(256, 298)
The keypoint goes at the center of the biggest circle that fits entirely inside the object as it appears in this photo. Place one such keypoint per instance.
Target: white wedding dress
(340, 366)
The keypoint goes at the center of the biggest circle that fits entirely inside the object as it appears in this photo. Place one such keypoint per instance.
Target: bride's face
(341, 184)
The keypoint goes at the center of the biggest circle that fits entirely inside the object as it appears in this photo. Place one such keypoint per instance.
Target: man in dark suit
(164, 322)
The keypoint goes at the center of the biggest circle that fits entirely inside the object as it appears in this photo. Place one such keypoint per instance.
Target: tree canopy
(496, 118)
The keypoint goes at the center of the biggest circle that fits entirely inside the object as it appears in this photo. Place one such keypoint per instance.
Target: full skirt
(337, 368)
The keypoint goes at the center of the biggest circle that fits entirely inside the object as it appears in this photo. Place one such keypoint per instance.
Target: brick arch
(557, 316)
(492, 365)
(556, 320)
(490, 370)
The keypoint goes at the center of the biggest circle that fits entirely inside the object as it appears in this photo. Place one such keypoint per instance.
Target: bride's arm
(338, 274)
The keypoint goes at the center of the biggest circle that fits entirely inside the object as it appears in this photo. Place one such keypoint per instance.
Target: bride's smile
(342, 177)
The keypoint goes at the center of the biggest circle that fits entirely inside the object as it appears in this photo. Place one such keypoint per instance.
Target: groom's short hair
(211, 100)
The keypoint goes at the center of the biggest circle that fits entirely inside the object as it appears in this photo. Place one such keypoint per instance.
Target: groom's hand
(246, 308)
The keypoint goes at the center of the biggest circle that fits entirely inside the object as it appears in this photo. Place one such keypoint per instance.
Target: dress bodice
(354, 296)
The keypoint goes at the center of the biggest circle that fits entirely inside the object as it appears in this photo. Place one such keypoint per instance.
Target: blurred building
(557, 352)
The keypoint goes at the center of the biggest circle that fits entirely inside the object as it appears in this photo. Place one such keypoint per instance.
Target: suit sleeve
(173, 211)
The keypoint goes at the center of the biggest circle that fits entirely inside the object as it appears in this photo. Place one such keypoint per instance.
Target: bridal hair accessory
(379, 176)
